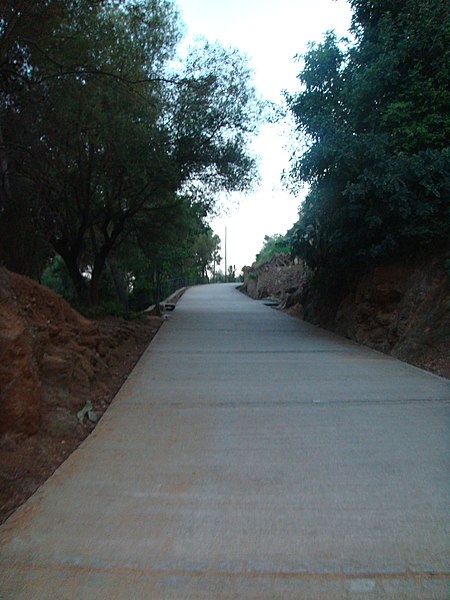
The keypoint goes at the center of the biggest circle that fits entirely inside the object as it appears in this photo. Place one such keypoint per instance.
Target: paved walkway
(249, 455)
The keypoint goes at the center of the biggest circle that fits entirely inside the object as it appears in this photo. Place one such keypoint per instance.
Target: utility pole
(226, 271)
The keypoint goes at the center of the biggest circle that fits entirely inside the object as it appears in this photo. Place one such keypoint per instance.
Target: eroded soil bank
(58, 374)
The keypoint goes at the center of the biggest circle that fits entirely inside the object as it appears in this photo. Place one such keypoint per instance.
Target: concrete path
(249, 455)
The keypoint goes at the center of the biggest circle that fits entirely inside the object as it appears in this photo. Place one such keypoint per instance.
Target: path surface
(249, 455)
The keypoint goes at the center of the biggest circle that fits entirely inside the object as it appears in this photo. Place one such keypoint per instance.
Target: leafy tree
(107, 140)
(55, 276)
(100, 152)
(215, 258)
(206, 247)
(231, 275)
(374, 120)
(165, 248)
(24, 27)
(273, 244)
(215, 113)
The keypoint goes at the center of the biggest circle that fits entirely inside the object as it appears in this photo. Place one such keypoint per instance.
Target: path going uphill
(249, 455)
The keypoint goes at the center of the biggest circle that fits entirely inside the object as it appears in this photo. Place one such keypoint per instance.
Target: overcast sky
(271, 33)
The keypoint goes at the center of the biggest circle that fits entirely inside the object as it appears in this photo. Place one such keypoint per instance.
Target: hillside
(53, 362)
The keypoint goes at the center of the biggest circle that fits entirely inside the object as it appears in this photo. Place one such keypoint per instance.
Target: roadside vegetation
(373, 123)
(273, 244)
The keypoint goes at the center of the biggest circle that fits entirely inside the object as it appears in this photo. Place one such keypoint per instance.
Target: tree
(216, 258)
(108, 138)
(24, 27)
(216, 112)
(206, 250)
(166, 248)
(231, 275)
(373, 118)
(273, 244)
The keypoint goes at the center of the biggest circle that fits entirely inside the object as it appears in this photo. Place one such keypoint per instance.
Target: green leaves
(376, 120)
(216, 112)
(274, 244)
(105, 141)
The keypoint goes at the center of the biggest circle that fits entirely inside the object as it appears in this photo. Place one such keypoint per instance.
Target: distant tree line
(373, 124)
(112, 149)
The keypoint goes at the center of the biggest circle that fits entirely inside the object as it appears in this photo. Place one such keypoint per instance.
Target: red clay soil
(52, 362)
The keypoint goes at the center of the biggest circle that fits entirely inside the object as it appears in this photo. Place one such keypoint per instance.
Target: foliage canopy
(105, 144)
(374, 121)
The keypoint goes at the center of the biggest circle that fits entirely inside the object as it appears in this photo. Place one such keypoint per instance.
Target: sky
(271, 33)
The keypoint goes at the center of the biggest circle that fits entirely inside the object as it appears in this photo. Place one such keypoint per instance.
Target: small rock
(92, 416)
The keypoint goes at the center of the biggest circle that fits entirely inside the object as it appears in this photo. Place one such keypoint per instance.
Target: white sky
(271, 33)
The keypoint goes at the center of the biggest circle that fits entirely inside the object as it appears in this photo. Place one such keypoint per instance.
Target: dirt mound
(53, 363)
(33, 324)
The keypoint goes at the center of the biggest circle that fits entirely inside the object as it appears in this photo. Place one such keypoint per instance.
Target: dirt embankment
(401, 309)
(54, 363)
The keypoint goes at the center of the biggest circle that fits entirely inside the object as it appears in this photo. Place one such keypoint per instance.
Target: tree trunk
(97, 271)
(78, 280)
(158, 280)
(5, 188)
(119, 284)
